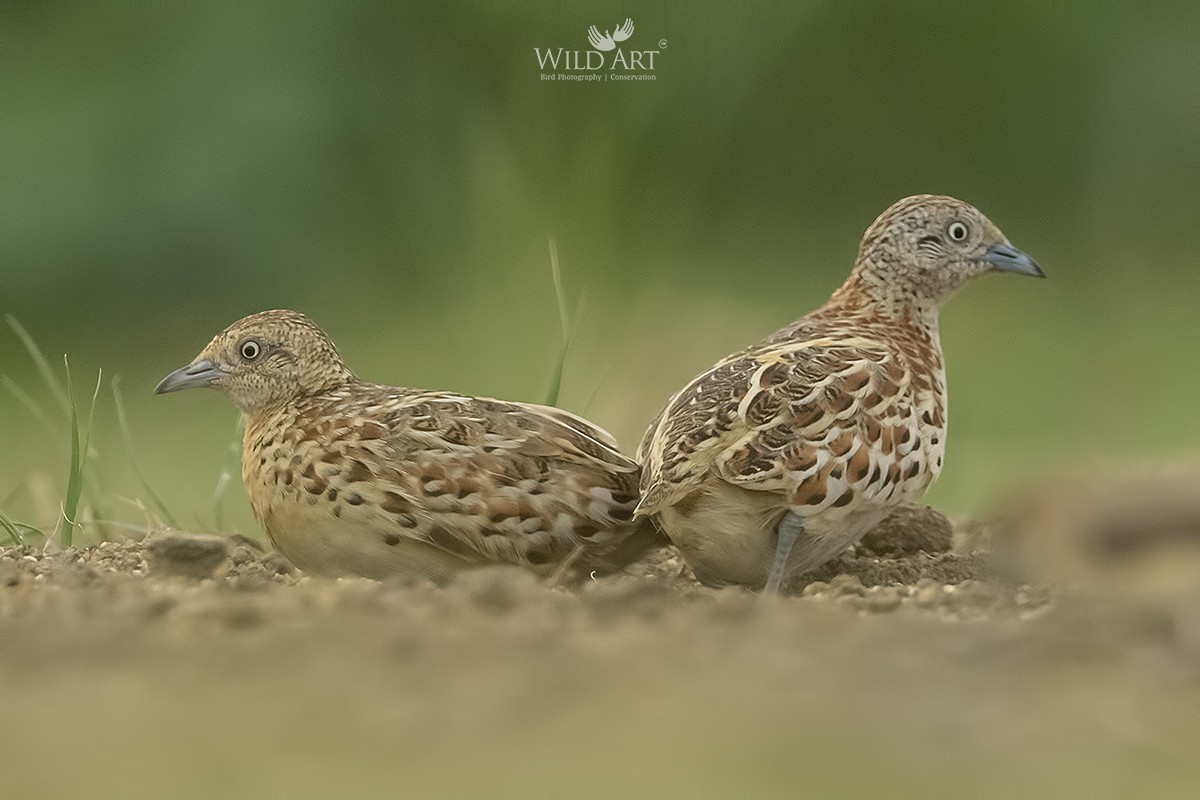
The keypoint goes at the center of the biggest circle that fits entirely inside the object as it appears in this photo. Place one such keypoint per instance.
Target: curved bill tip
(195, 375)
(1006, 258)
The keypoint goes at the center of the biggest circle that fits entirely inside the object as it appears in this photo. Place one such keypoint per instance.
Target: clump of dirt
(909, 530)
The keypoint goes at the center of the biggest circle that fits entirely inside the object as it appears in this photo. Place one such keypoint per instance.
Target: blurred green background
(395, 171)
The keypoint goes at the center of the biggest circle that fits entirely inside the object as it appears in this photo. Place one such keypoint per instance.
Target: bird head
(264, 360)
(923, 248)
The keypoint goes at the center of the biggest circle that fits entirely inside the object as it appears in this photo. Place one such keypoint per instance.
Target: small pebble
(189, 555)
(815, 589)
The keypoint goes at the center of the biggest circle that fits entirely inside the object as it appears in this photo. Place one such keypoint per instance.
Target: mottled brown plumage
(353, 478)
(783, 454)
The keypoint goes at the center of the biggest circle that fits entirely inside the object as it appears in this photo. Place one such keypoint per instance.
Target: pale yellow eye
(250, 350)
(957, 231)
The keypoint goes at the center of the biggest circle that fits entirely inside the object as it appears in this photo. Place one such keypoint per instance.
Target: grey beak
(1006, 258)
(201, 373)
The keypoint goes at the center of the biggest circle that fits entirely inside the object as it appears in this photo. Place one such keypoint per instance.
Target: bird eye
(250, 349)
(957, 231)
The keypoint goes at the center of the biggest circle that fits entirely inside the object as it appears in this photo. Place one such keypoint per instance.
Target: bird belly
(322, 544)
(728, 534)
(319, 531)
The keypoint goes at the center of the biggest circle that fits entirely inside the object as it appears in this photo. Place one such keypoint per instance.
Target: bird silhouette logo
(608, 41)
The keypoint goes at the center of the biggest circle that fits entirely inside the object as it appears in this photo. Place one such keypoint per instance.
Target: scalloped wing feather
(476, 478)
(775, 417)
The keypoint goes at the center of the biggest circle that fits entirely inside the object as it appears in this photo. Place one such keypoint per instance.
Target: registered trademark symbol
(662, 43)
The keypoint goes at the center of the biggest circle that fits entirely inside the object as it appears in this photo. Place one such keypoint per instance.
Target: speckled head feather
(264, 360)
(355, 478)
(831, 421)
(923, 248)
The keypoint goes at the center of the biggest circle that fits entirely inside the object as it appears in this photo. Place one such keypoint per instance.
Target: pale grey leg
(789, 528)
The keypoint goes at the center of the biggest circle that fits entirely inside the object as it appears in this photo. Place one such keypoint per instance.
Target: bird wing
(598, 40)
(623, 32)
(487, 479)
(771, 417)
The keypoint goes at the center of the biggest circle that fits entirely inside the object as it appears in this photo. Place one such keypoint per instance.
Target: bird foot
(789, 530)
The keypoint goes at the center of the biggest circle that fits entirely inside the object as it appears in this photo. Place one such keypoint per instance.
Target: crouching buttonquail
(354, 478)
(783, 454)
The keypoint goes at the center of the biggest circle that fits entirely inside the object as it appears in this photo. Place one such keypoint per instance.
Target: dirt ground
(928, 662)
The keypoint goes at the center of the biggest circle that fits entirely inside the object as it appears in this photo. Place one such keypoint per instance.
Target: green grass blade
(11, 529)
(556, 378)
(591, 401)
(564, 320)
(87, 437)
(127, 435)
(79, 450)
(61, 394)
(559, 293)
(75, 474)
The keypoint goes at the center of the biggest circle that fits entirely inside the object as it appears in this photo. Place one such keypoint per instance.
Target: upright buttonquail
(353, 478)
(780, 456)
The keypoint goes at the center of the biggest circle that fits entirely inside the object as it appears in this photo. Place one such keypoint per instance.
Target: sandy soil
(922, 664)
